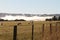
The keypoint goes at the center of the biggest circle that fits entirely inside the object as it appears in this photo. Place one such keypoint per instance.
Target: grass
(24, 30)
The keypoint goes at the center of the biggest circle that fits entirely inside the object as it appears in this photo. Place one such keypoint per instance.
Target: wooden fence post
(15, 33)
(32, 30)
(57, 29)
(50, 28)
(43, 30)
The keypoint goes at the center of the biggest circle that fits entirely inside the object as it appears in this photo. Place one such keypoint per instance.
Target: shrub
(1, 19)
(20, 20)
(54, 18)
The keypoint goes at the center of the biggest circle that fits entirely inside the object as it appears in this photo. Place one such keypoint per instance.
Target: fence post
(15, 33)
(50, 28)
(32, 30)
(57, 30)
(43, 30)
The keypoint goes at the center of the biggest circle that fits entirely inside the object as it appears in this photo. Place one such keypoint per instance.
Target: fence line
(53, 30)
(15, 31)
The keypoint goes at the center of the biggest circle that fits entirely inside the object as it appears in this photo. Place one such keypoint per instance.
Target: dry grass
(24, 30)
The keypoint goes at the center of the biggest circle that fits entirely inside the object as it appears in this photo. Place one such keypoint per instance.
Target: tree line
(13, 20)
(55, 18)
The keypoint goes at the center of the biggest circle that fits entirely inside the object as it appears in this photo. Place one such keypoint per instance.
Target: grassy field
(24, 30)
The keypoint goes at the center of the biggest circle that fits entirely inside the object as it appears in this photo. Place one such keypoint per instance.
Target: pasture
(43, 30)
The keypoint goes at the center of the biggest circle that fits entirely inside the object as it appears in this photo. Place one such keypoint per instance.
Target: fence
(46, 32)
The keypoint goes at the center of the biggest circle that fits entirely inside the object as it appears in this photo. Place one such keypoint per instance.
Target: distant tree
(1, 19)
(48, 19)
(5, 20)
(54, 18)
(16, 19)
(20, 20)
(59, 18)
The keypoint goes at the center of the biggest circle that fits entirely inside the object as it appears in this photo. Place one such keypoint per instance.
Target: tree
(20, 20)
(54, 18)
(1, 19)
(59, 18)
(48, 19)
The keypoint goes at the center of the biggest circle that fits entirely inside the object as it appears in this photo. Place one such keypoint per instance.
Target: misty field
(24, 30)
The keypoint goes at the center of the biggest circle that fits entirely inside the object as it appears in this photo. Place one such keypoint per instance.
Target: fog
(34, 18)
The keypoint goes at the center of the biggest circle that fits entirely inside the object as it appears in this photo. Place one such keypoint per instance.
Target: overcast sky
(30, 6)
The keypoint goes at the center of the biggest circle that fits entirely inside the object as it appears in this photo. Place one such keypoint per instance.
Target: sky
(30, 6)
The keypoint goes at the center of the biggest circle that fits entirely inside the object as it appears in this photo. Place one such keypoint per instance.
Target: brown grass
(24, 30)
